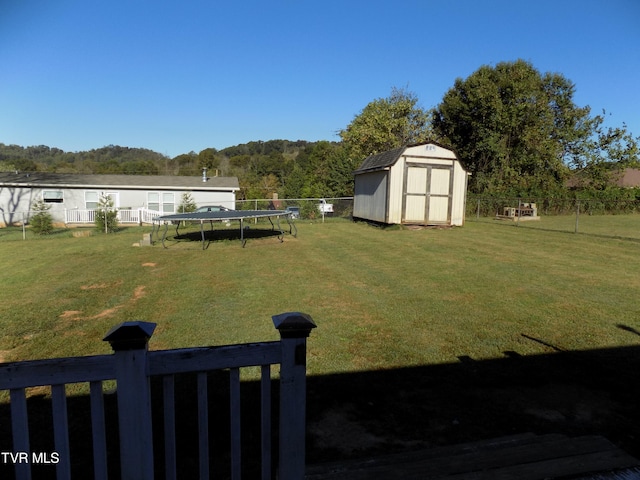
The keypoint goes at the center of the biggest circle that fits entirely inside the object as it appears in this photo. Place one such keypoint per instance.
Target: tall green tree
(323, 169)
(599, 158)
(187, 164)
(387, 123)
(294, 183)
(208, 159)
(513, 127)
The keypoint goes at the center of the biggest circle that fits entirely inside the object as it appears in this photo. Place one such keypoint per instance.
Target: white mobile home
(420, 184)
(73, 198)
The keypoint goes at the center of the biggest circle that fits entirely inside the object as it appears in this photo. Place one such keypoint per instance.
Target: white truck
(325, 208)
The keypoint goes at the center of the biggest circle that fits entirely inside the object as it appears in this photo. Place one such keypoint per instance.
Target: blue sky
(181, 76)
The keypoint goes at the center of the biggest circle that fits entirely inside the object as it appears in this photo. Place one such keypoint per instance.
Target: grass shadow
(574, 393)
(228, 235)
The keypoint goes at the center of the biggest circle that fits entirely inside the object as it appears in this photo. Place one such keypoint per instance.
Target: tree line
(516, 130)
(293, 169)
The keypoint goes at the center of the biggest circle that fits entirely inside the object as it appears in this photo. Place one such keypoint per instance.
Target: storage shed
(419, 184)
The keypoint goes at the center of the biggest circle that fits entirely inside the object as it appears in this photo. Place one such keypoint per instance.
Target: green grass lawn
(425, 337)
(382, 298)
(625, 226)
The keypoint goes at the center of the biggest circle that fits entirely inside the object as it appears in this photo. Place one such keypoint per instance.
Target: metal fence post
(577, 215)
(129, 342)
(294, 328)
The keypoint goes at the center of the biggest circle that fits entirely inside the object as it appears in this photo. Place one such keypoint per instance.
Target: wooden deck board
(522, 457)
(420, 455)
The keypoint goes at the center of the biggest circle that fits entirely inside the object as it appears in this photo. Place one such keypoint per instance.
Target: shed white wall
(396, 181)
(460, 180)
(370, 198)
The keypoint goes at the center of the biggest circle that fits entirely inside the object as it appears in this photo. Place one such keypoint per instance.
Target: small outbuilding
(419, 184)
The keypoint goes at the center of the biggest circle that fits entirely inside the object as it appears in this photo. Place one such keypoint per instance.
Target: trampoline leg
(242, 233)
(202, 233)
(281, 236)
(164, 234)
(292, 226)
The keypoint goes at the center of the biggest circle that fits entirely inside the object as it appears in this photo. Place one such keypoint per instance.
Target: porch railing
(132, 366)
(137, 216)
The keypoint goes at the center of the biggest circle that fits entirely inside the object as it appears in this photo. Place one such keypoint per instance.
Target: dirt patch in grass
(138, 293)
(107, 313)
(98, 286)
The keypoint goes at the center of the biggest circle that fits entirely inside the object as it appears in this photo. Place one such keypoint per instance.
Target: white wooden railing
(132, 366)
(79, 216)
(137, 216)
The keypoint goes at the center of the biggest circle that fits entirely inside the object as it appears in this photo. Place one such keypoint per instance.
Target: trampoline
(223, 216)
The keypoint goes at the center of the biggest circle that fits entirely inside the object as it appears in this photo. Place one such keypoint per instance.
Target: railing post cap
(293, 324)
(130, 335)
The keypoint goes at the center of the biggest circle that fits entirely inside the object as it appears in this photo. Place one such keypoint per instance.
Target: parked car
(212, 208)
(294, 212)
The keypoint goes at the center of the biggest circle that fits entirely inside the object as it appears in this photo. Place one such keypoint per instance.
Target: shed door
(427, 194)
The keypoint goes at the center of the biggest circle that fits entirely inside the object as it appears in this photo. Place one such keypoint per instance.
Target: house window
(161, 202)
(168, 203)
(153, 201)
(52, 196)
(91, 200)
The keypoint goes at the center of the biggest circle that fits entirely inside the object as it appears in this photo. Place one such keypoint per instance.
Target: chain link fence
(303, 208)
(617, 218)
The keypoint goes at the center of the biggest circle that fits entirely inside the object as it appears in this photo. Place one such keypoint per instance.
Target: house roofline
(119, 181)
(120, 187)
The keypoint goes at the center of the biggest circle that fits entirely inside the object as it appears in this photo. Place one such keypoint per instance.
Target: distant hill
(293, 169)
(109, 159)
(265, 148)
(118, 159)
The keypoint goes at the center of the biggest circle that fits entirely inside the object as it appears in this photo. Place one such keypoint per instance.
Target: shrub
(41, 222)
(309, 210)
(187, 204)
(106, 219)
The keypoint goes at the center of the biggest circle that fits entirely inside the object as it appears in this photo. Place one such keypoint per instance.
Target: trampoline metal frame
(222, 216)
